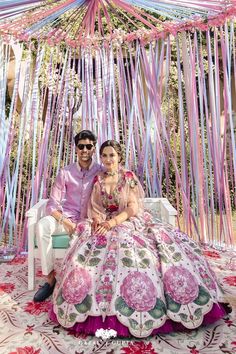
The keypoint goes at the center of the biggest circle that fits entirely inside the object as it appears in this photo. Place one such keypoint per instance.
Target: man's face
(85, 150)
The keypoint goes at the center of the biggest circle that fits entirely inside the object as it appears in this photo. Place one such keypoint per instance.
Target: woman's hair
(85, 134)
(116, 146)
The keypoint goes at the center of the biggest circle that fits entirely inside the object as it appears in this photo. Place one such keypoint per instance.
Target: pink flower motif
(139, 240)
(147, 217)
(129, 174)
(99, 296)
(8, 274)
(211, 254)
(26, 350)
(36, 308)
(29, 329)
(230, 280)
(180, 284)
(6, 287)
(229, 322)
(80, 228)
(100, 241)
(138, 291)
(76, 286)
(112, 208)
(194, 350)
(139, 348)
(39, 273)
(166, 238)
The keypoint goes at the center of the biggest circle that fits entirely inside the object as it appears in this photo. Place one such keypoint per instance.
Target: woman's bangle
(116, 223)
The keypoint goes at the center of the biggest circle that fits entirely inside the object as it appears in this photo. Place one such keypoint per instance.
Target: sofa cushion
(58, 241)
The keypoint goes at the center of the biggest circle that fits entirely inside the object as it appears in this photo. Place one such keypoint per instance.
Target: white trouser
(44, 230)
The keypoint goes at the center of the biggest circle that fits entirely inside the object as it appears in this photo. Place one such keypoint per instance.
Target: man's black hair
(85, 134)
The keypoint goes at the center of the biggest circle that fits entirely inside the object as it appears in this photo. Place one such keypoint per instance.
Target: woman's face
(110, 158)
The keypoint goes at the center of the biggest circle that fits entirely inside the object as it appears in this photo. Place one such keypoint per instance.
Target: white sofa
(161, 206)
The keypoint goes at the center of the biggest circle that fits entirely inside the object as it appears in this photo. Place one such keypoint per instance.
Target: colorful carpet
(26, 329)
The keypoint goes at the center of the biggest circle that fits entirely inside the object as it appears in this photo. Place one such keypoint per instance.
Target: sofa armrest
(162, 208)
(35, 213)
(168, 212)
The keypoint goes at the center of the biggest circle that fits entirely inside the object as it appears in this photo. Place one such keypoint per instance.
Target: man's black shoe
(44, 292)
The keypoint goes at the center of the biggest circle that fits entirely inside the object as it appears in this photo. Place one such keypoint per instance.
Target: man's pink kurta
(71, 191)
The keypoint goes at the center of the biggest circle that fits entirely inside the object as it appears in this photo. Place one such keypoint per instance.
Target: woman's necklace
(111, 173)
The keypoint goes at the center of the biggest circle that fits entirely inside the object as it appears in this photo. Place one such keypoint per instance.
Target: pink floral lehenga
(144, 277)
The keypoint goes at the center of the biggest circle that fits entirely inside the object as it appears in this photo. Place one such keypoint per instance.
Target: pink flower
(80, 228)
(112, 208)
(129, 174)
(194, 350)
(100, 241)
(230, 280)
(39, 273)
(138, 291)
(166, 238)
(76, 286)
(180, 284)
(26, 350)
(29, 329)
(139, 348)
(229, 322)
(6, 287)
(139, 240)
(36, 308)
(147, 217)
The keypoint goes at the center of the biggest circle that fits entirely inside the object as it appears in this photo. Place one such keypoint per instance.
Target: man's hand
(69, 226)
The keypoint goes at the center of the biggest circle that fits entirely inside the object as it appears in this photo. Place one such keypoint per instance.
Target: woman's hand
(94, 225)
(69, 226)
(102, 228)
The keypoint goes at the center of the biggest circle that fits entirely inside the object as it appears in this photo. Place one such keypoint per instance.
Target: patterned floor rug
(26, 329)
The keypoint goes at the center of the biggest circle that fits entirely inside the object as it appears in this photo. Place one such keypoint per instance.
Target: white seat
(161, 206)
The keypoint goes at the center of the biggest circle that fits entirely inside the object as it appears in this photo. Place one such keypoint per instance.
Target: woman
(128, 271)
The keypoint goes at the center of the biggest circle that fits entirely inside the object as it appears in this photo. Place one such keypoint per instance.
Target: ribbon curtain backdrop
(167, 100)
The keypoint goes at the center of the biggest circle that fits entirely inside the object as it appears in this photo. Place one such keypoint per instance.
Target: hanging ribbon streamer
(167, 99)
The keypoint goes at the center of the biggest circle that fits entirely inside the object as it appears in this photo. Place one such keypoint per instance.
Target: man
(66, 206)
